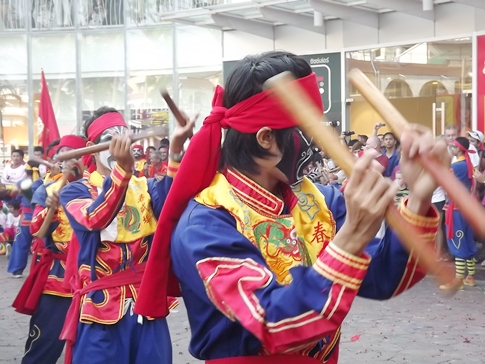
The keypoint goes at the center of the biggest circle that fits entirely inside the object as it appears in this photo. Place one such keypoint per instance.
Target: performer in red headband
(114, 215)
(459, 233)
(43, 295)
(240, 218)
(140, 159)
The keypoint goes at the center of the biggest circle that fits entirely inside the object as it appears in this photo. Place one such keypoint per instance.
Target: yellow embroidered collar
(256, 196)
(96, 179)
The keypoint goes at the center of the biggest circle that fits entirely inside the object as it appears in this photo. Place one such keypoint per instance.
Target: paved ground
(420, 326)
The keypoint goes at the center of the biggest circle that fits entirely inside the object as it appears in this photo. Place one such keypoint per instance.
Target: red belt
(266, 359)
(28, 297)
(119, 279)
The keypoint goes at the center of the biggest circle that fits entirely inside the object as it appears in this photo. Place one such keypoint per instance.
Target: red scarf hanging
(196, 172)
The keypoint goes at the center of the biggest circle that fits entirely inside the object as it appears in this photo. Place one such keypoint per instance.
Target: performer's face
(63, 150)
(105, 157)
(296, 157)
(137, 153)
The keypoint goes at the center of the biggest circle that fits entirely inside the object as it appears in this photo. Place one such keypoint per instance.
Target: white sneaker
(8, 250)
(483, 264)
(17, 275)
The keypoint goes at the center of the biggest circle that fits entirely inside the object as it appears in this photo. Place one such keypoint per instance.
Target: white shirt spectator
(438, 195)
(11, 175)
(3, 219)
(474, 157)
(12, 221)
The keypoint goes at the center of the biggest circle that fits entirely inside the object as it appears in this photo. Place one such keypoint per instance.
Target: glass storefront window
(88, 63)
(14, 108)
(429, 83)
(97, 13)
(53, 14)
(142, 12)
(102, 71)
(59, 65)
(150, 58)
(13, 14)
(198, 76)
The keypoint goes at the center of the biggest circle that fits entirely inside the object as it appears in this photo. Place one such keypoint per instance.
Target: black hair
(151, 148)
(19, 151)
(38, 148)
(316, 157)
(352, 142)
(357, 146)
(52, 144)
(246, 80)
(164, 143)
(15, 204)
(391, 134)
(97, 114)
(464, 142)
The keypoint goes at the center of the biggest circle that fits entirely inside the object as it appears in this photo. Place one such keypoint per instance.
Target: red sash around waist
(119, 279)
(28, 297)
(269, 359)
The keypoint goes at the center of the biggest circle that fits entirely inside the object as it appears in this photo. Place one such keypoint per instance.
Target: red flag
(48, 131)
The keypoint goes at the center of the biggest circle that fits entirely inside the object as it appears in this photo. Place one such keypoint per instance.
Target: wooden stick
(77, 153)
(471, 209)
(295, 100)
(171, 105)
(51, 211)
(38, 160)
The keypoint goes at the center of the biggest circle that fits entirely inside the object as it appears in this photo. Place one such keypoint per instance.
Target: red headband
(467, 153)
(104, 122)
(137, 146)
(462, 148)
(197, 171)
(72, 141)
(52, 151)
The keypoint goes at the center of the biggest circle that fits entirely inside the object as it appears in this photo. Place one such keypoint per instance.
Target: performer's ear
(88, 144)
(266, 137)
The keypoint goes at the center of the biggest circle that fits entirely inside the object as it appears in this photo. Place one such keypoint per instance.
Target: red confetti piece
(355, 338)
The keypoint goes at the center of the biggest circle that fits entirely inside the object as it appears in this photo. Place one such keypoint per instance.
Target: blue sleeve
(389, 258)
(38, 199)
(211, 257)
(86, 213)
(36, 184)
(39, 196)
(335, 202)
(158, 192)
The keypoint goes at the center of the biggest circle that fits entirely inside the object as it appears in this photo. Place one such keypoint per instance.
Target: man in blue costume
(459, 233)
(113, 215)
(268, 262)
(43, 295)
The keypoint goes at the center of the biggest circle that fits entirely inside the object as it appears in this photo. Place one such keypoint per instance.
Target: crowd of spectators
(324, 170)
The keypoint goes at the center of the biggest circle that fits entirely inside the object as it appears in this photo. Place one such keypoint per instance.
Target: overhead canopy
(259, 16)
